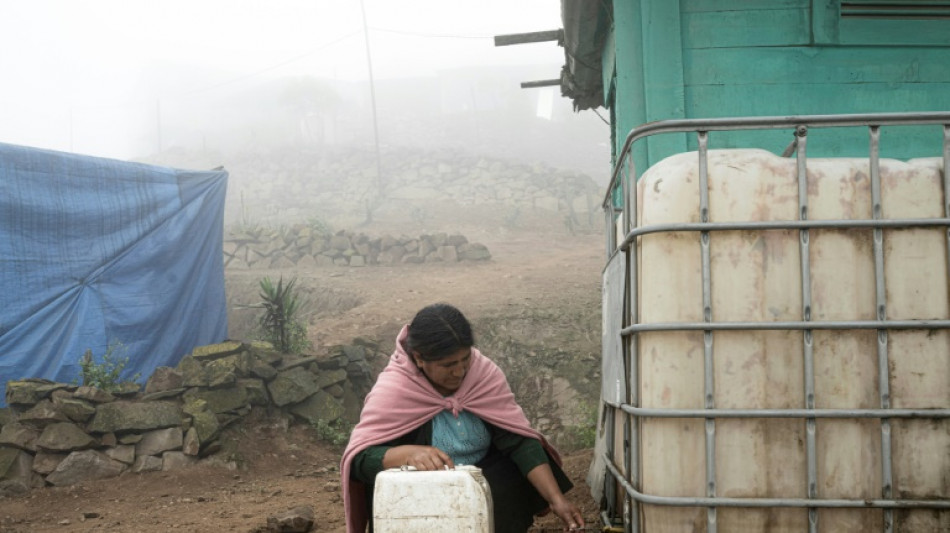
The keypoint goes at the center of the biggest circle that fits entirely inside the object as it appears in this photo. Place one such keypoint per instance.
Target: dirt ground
(281, 465)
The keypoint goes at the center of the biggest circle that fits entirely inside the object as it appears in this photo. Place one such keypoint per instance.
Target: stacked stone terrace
(61, 434)
(302, 246)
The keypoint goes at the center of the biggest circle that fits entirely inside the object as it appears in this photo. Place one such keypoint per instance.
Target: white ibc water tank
(755, 276)
(412, 501)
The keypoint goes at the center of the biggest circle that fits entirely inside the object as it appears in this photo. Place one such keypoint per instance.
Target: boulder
(303, 361)
(75, 409)
(16, 435)
(163, 379)
(226, 370)
(93, 394)
(292, 386)
(64, 437)
(176, 460)
(15, 464)
(203, 420)
(131, 438)
(473, 252)
(124, 416)
(45, 462)
(262, 370)
(320, 406)
(456, 240)
(211, 352)
(191, 444)
(42, 414)
(219, 400)
(329, 377)
(6, 416)
(297, 520)
(448, 253)
(256, 391)
(192, 372)
(30, 391)
(162, 395)
(159, 441)
(146, 463)
(84, 466)
(124, 453)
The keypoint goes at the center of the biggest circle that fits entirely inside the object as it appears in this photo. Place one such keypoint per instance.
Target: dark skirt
(515, 501)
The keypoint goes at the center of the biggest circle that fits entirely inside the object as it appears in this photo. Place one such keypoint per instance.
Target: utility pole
(372, 97)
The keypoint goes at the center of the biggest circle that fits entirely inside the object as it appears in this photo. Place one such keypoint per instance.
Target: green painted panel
(704, 6)
(663, 70)
(629, 110)
(897, 142)
(709, 101)
(628, 53)
(824, 21)
(806, 65)
(894, 31)
(706, 101)
(721, 29)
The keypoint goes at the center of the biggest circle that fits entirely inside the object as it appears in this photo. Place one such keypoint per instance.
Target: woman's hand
(568, 513)
(418, 457)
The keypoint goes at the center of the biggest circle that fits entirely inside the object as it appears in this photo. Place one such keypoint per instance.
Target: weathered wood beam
(540, 83)
(533, 37)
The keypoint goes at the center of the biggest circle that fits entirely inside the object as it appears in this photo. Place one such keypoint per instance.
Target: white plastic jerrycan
(414, 501)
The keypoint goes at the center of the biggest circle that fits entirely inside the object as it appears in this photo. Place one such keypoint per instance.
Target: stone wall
(61, 434)
(434, 189)
(304, 246)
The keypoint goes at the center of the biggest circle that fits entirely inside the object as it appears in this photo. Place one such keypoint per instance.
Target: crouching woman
(440, 403)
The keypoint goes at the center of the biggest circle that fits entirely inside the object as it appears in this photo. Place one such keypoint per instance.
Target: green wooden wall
(671, 59)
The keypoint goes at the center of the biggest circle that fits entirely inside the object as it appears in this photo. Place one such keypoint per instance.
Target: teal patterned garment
(465, 439)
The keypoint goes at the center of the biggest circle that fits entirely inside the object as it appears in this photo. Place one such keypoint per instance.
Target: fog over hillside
(472, 109)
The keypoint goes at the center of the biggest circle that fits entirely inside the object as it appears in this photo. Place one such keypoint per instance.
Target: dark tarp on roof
(584, 34)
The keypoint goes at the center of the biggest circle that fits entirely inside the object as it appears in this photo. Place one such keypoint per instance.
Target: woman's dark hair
(438, 331)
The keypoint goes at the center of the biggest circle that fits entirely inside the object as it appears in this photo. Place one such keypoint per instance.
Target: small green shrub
(336, 433)
(584, 435)
(106, 374)
(320, 226)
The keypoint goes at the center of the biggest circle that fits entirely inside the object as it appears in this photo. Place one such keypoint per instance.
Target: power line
(432, 35)
(272, 67)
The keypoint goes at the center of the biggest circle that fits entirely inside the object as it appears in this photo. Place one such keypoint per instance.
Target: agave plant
(280, 309)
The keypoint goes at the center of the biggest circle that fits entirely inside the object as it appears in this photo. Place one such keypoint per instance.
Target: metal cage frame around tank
(624, 177)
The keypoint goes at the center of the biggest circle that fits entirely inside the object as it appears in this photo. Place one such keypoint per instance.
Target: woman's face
(447, 373)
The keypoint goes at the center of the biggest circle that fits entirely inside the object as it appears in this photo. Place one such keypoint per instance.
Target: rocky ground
(541, 283)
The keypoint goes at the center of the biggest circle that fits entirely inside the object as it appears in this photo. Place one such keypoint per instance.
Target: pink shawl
(403, 399)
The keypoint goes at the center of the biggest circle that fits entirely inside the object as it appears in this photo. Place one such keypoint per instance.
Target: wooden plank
(895, 32)
(781, 27)
(540, 83)
(709, 101)
(824, 21)
(532, 37)
(807, 65)
(816, 98)
(705, 6)
(630, 107)
(663, 72)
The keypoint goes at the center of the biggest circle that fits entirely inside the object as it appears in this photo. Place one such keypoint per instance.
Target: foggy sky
(94, 76)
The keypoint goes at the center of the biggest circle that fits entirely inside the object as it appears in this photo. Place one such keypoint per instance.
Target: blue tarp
(98, 253)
